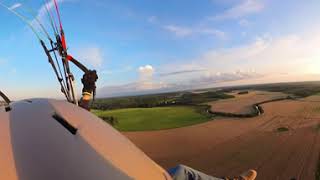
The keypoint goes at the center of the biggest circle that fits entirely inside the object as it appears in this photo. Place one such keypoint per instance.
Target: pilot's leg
(85, 100)
(182, 172)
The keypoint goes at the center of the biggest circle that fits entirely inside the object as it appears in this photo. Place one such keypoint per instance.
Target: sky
(148, 46)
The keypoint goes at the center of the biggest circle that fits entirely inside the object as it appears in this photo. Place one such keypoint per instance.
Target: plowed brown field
(229, 146)
(244, 102)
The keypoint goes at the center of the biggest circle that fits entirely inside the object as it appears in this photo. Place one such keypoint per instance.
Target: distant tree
(110, 120)
(243, 92)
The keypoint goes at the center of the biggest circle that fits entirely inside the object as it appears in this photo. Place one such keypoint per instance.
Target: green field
(142, 119)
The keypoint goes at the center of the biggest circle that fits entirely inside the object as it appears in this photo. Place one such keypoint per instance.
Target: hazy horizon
(164, 91)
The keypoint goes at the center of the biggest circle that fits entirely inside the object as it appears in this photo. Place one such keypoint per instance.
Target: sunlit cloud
(146, 72)
(265, 60)
(294, 53)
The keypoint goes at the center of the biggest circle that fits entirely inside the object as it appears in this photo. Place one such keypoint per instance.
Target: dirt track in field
(229, 146)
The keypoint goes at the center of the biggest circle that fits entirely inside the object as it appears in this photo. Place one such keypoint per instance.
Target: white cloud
(147, 83)
(179, 30)
(214, 78)
(15, 6)
(159, 86)
(91, 55)
(245, 8)
(146, 72)
(296, 53)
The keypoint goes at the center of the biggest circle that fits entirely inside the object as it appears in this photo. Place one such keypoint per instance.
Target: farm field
(242, 104)
(282, 143)
(141, 119)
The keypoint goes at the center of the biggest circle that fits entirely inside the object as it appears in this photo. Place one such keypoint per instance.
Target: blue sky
(156, 46)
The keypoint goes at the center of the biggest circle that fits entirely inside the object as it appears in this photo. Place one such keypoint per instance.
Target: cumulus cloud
(149, 87)
(146, 72)
(245, 8)
(150, 82)
(91, 55)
